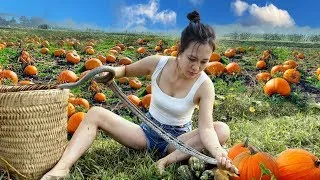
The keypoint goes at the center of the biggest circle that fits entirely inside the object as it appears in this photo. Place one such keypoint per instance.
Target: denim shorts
(157, 143)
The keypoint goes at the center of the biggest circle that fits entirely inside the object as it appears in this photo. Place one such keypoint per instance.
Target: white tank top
(170, 110)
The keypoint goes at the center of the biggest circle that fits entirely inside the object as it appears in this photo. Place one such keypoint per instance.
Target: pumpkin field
(268, 92)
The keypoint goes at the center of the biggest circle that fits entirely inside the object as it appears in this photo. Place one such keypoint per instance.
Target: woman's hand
(224, 162)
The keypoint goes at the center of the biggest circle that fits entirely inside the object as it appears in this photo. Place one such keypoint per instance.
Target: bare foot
(161, 165)
(54, 174)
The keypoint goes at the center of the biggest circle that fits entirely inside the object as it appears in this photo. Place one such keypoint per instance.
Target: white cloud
(239, 7)
(196, 2)
(267, 15)
(141, 14)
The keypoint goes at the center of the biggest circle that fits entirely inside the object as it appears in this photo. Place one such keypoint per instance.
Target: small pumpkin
(102, 59)
(73, 58)
(67, 76)
(125, 61)
(318, 71)
(146, 100)
(241, 50)
(111, 58)
(261, 64)
(292, 76)
(215, 57)
(263, 76)
(123, 80)
(44, 50)
(90, 51)
(196, 165)
(297, 164)
(148, 89)
(291, 64)
(81, 102)
(141, 50)
(231, 52)
(25, 82)
(30, 70)
(71, 109)
(134, 99)
(117, 48)
(249, 165)
(59, 52)
(157, 48)
(167, 51)
(74, 121)
(92, 63)
(301, 56)
(113, 51)
(277, 85)
(233, 68)
(174, 53)
(148, 77)
(277, 69)
(135, 83)
(215, 68)
(100, 97)
(8, 74)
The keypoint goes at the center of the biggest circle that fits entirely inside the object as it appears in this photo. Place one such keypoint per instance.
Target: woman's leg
(122, 130)
(192, 139)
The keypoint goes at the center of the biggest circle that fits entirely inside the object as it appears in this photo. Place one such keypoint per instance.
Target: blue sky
(170, 15)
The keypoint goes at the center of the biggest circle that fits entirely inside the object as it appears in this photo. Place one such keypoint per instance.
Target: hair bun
(194, 16)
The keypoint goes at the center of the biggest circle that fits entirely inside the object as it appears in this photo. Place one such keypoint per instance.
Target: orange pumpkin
(157, 48)
(291, 64)
(230, 53)
(292, 76)
(8, 74)
(174, 53)
(295, 53)
(135, 83)
(167, 51)
(73, 58)
(237, 149)
(44, 50)
(113, 51)
(71, 109)
(318, 71)
(263, 76)
(233, 68)
(145, 101)
(59, 52)
(215, 68)
(111, 58)
(215, 57)
(277, 69)
(100, 97)
(125, 61)
(301, 56)
(141, 50)
(123, 80)
(134, 99)
(148, 77)
(117, 48)
(67, 76)
(277, 85)
(148, 89)
(74, 121)
(30, 70)
(81, 102)
(261, 64)
(45, 44)
(297, 164)
(241, 50)
(92, 63)
(25, 82)
(249, 162)
(90, 51)
(102, 59)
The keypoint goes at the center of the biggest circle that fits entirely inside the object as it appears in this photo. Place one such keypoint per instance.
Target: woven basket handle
(92, 74)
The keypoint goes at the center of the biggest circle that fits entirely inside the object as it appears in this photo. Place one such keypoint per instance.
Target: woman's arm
(142, 67)
(208, 136)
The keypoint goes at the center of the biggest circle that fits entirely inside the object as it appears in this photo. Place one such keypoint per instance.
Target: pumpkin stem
(246, 141)
(252, 150)
(317, 163)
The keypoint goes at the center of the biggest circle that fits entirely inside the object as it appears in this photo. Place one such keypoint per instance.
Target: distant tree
(43, 26)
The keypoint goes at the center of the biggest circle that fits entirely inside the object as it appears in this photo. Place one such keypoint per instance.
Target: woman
(178, 85)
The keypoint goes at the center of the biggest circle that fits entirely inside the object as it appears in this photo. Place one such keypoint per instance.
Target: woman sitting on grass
(178, 85)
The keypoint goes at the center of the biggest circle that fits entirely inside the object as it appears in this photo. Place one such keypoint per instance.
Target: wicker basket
(33, 128)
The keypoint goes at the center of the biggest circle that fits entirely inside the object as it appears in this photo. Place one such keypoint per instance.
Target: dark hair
(196, 32)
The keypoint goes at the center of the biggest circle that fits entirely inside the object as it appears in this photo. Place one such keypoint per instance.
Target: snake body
(108, 80)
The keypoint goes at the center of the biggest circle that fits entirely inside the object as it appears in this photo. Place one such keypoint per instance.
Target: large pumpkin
(290, 64)
(233, 68)
(92, 63)
(249, 165)
(238, 149)
(67, 76)
(277, 85)
(73, 58)
(263, 76)
(74, 121)
(8, 74)
(230, 53)
(297, 164)
(215, 57)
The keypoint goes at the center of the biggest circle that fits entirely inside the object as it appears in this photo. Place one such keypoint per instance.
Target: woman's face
(195, 59)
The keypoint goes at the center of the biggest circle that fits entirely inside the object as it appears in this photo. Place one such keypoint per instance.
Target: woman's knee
(97, 114)
(223, 131)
